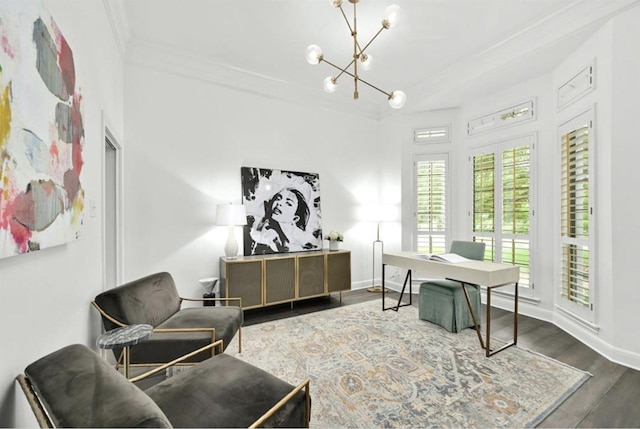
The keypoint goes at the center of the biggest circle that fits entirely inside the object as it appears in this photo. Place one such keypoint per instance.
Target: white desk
(488, 274)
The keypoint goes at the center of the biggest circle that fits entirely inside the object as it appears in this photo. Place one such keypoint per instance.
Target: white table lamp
(231, 215)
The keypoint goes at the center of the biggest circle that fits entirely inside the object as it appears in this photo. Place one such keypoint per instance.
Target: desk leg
(476, 323)
(488, 350)
(404, 286)
(383, 288)
(125, 355)
(488, 324)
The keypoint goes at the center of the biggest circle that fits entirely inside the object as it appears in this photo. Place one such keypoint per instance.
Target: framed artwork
(41, 132)
(283, 211)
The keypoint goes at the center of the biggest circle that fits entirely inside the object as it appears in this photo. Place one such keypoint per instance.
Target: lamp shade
(231, 215)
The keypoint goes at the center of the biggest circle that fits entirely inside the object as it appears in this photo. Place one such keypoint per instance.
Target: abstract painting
(283, 211)
(41, 132)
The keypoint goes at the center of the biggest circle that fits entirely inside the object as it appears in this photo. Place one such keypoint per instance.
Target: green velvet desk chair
(442, 301)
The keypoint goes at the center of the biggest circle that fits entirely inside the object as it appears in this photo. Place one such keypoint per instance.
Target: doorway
(111, 203)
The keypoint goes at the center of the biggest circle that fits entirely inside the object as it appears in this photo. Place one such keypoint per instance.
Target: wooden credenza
(274, 279)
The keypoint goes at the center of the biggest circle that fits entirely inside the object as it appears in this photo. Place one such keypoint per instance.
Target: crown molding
(571, 22)
(193, 66)
(119, 24)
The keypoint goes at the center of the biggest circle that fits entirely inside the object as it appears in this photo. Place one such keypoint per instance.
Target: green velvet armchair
(177, 331)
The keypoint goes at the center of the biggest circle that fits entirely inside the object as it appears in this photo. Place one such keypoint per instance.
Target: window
(502, 212)
(431, 135)
(430, 180)
(575, 214)
(506, 117)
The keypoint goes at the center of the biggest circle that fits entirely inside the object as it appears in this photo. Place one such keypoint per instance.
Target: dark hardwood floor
(608, 399)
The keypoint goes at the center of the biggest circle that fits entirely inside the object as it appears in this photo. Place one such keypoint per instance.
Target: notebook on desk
(444, 257)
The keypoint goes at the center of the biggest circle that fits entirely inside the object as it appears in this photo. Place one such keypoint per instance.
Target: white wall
(45, 295)
(625, 177)
(186, 142)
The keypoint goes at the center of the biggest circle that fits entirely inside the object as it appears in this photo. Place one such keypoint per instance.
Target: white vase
(334, 245)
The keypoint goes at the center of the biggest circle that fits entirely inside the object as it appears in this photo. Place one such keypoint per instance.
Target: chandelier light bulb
(336, 3)
(366, 61)
(397, 99)
(391, 16)
(329, 84)
(313, 54)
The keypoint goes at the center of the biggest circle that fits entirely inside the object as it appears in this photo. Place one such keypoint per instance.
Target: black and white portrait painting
(283, 211)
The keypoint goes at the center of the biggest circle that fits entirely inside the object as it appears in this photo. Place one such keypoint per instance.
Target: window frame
(444, 156)
(497, 148)
(585, 312)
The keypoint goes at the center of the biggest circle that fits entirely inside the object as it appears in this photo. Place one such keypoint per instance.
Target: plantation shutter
(484, 198)
(575, 214)
(431, 207)
(516, 164)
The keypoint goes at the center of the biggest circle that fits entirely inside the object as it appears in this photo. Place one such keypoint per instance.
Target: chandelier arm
(355, 52)
(371, 41)
(344, 15)
(342, 70)
(375, 87)
(354, 76)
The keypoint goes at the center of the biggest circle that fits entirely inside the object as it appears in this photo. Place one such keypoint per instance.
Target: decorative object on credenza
(283, 211)
(209, 285)
(231, 215)
(334, 238)
(41, 132)
(314, 55)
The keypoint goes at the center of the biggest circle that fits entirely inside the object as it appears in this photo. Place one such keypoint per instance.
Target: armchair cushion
(226, 392)
(80, 389)
(166, 346)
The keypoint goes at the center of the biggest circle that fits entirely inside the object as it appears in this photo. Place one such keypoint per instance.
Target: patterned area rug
(370, 368)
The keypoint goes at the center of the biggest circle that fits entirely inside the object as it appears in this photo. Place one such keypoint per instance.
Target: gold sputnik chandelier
(360, 58)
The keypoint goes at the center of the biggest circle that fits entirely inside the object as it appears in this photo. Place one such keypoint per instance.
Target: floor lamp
(376, 243)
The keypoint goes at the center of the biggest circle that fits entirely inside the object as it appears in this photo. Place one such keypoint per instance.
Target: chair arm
(106, 315)
(178, 330)
(214, 299)
(168, 330)
(176, 361)
(304, 385)
(34, 402)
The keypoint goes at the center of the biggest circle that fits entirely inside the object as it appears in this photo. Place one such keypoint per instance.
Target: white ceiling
(442, 53)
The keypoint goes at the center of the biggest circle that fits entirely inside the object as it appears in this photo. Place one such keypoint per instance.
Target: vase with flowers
(334, 240)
